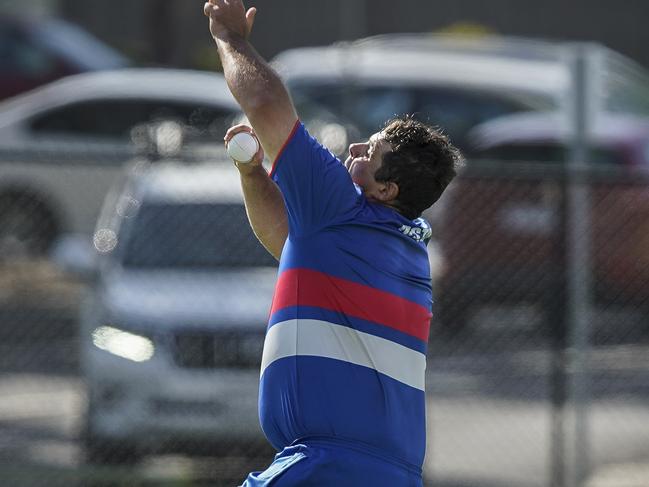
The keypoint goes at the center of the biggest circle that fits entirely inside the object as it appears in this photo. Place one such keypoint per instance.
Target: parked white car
(171, 332)
(62, 145)
(450, 81)
(455, 82)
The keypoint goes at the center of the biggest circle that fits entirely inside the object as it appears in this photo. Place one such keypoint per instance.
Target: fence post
(587, 75)
(570, 312)
(571, 448)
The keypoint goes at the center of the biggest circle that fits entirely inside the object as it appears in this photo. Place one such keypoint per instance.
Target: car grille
(205, 350)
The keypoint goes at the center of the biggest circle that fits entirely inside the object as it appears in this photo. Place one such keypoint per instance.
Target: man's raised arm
(256, 86)
(265, 101)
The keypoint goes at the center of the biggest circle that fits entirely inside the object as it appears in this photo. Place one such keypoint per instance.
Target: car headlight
(122, 343)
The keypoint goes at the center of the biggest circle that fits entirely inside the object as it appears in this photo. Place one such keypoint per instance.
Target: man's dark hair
(422, 163)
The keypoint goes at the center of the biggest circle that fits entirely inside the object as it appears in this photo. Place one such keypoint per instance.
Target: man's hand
(255, 85)
(229, 17)
(264, 202)
(257, 160)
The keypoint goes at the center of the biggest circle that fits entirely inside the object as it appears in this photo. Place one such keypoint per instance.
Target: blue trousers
(333, 463)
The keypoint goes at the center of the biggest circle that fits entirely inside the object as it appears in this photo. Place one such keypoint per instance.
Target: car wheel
(27, 226)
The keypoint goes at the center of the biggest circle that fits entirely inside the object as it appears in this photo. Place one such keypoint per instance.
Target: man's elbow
(272, 242)
(275, 251)
(268, 104)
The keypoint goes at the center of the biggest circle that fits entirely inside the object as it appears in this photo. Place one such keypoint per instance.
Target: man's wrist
(251, 170)
(229, 37)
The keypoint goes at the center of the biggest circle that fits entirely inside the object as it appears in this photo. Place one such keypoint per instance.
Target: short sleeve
(317, 187)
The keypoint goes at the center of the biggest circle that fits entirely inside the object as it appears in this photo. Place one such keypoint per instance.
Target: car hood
(205, 299)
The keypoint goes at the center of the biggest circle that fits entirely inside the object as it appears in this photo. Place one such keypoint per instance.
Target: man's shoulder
(301, 151)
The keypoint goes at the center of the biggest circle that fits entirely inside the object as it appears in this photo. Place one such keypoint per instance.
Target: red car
(35, 52)
(502, 228)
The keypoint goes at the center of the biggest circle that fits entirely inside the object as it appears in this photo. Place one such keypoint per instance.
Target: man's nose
(356, 150)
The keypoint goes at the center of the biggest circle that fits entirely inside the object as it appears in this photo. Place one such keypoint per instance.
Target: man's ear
(388, 191)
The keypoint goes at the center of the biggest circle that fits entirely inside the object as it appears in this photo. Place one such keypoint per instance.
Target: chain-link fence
(102, 375)
(509, 388)
(131, 348)
(150, 377)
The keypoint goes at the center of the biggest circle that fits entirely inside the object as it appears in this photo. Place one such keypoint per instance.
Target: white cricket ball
(243, 147)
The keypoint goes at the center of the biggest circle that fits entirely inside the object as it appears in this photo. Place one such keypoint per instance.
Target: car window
(552, 153)
(625, 84)
(192, 235)
(114, 119)
(368, 107)
(18, 57)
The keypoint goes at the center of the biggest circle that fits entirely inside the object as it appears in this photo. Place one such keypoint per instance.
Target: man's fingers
(258, 158)
(232, 131)
(211, 6)
(250, 20)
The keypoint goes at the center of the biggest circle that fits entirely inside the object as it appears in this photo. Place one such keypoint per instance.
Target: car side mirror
(75, 254)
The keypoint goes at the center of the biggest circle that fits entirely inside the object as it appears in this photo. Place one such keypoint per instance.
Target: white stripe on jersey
(324, 339)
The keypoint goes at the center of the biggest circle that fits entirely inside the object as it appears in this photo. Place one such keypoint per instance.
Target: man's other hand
(257, 160)
(229, 17)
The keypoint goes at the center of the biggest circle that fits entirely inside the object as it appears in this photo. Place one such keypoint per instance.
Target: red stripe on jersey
(304, 287)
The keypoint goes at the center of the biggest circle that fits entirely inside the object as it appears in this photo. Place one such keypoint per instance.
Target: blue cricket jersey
(344, 354)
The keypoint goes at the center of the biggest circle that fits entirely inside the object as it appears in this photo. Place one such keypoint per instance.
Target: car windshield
(191, 235)
(626, 85)
(455, 110)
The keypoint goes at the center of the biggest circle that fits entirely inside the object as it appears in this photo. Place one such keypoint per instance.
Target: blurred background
(133, 296)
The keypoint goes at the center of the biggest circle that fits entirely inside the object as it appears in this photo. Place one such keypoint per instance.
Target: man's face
(365, 158)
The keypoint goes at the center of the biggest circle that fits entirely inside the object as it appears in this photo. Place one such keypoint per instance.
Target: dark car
(33, 53)
(503, 228)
